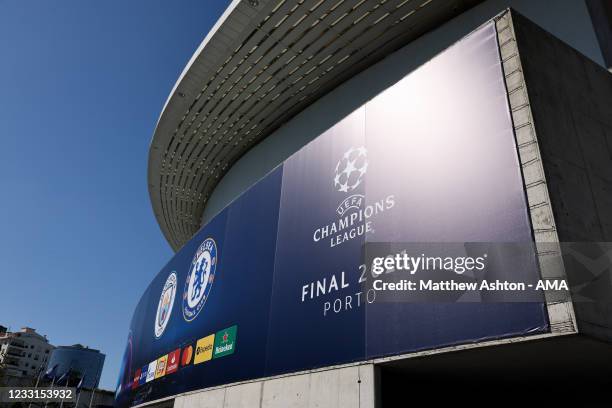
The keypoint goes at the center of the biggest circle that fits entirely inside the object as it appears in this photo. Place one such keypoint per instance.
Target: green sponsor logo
(225, 342)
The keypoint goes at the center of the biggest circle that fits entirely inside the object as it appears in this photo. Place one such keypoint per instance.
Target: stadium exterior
(273, 76)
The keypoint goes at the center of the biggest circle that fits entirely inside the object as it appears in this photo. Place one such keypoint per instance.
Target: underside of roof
(263, 63)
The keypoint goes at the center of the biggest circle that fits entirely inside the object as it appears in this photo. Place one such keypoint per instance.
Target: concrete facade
(571, 104)
(560, 308)
(334, 388)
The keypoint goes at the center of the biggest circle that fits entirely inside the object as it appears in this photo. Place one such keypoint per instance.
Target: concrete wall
(560, 309)
(566, 19)
(342, 387)
(571, 104)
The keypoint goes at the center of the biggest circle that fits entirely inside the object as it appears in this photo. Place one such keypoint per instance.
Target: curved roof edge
(263, 62)
(198, 51)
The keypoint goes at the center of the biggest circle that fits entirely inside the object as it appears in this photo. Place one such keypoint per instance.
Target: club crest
(164, 307)
(199, 279)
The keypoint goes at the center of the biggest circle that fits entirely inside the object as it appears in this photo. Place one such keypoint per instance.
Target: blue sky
(82, 84)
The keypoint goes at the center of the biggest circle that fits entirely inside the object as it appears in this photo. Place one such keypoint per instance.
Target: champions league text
(355, 224)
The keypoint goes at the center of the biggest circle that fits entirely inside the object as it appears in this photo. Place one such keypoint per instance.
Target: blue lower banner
(283, 279)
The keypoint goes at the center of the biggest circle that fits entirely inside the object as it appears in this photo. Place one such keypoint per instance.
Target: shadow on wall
(572, 371)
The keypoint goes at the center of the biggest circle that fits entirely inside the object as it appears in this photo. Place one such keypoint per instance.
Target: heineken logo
(225, 342)
(223, 349)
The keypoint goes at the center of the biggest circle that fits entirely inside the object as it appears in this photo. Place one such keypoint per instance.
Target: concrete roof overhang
(263, 62)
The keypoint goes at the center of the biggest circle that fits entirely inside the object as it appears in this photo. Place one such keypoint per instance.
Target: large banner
(282, 279)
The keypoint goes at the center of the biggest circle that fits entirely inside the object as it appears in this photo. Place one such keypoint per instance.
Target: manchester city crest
(164, 307)
(199, 279)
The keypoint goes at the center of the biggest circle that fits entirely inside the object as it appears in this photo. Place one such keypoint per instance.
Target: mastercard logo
(187, 355)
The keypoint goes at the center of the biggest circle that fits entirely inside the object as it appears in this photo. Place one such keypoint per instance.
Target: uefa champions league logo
(354, 216)
(200, 279)
(164, 307)
(350, 169)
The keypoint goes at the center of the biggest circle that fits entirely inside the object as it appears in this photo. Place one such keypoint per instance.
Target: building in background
(250, 169)
(80, 362)
(23, 355)
(96, 398)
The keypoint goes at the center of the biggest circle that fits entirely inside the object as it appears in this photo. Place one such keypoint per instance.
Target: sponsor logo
(186, 356)
(136, 381)
(164, 307)
(160, 371)
(350, 169)
(204, 349)
(173, 361)
(151, 370)
(354, 217)
(225, 342)
(143, 374)
(199, 279)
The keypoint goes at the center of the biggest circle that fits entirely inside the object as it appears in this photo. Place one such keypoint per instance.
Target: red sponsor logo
(136, 379)
(173, 361)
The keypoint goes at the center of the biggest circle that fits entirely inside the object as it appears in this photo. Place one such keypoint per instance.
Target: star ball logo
(199, 279)
(354, 216)
(350, 169)
(164, 307)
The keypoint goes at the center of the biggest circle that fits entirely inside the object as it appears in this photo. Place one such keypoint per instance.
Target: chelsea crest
(164, 307)
(199, 279)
